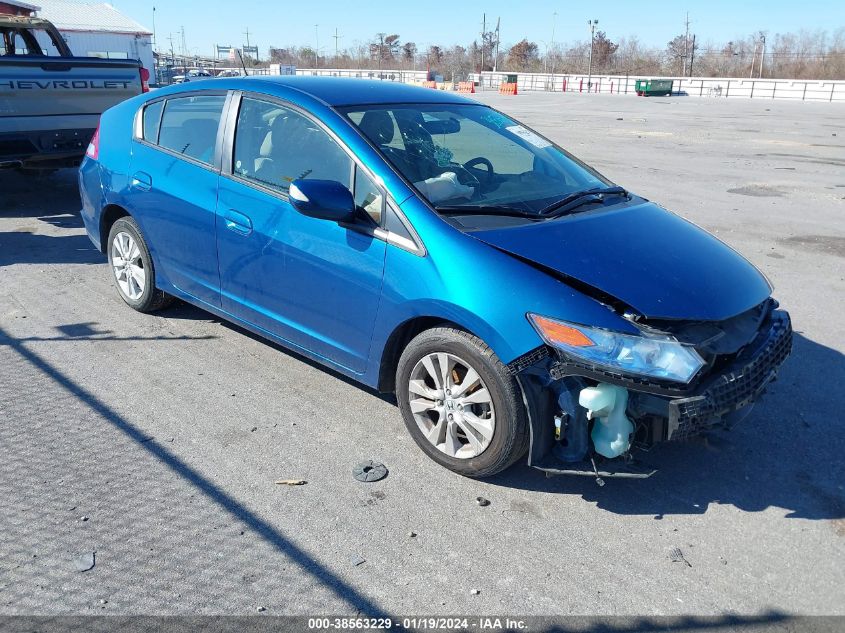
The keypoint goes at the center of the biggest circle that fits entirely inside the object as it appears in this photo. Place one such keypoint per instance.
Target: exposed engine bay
(588, 420)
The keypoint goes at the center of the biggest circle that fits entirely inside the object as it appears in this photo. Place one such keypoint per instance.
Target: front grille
(737, 387)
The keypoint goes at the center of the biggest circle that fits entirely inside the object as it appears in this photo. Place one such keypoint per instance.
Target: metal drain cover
(369, 471)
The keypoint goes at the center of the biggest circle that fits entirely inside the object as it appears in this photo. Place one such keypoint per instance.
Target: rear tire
(132, 267)
(474, 424)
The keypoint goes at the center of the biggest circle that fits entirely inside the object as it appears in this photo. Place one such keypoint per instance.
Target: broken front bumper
(660, 411)
(737, 386)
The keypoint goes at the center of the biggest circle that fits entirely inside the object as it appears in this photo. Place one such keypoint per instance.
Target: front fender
(481, 289)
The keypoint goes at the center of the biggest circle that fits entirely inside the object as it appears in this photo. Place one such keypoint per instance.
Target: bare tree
(384, 48)
(409, 52)
(676, 50)
(800, 55)
(603, 50)
(458, 62)
(523, 55)
(435, 55)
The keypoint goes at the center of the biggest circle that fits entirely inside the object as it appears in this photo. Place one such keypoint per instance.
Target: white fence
(719, 87)
(714, 87)
(402, 76)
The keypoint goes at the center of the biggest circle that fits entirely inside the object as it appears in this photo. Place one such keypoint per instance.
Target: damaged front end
(588, 417)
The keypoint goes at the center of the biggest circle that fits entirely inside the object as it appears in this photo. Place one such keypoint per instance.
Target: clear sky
(283, 23)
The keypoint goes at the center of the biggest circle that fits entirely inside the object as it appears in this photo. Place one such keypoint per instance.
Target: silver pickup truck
(51, 101)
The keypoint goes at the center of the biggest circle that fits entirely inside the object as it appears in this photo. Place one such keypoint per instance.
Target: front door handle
(237, 222)
(142, 181)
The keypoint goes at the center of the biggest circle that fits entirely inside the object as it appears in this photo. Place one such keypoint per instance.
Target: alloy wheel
(128, 266)
(451, 405)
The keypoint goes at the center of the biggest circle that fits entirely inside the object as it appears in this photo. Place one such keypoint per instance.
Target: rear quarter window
(189, 126)
(152, 117)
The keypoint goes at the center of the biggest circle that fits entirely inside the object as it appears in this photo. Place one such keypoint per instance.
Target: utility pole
(483, 31)
(692, 55)
(184, 47)
(496, 56)
(317, 46)
(686, 47)
(336, 38)
(762, 53)
(380, 52)
(554, 23)
(592, 24)
(753, 61)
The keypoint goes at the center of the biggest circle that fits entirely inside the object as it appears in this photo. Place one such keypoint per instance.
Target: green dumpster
(653, 87)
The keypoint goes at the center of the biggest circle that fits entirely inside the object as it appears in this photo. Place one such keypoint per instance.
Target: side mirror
(322, 199)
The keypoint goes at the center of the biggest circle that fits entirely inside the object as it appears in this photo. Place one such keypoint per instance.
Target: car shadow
(183, 310)
(38, 201)
(23, 247)
(786, 454)
(30, 196)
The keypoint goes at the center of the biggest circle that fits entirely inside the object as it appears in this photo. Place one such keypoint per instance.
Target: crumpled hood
(648, 258)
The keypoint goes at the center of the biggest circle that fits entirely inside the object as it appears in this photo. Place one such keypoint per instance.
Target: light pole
(317, 47)
(336, 38)
(546, 56)
(762, 53)
(592, 24)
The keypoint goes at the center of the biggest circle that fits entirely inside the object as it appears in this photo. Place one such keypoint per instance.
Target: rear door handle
(142, 181)
(237, 222)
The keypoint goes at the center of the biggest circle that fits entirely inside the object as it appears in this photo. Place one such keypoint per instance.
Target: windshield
(473, 157)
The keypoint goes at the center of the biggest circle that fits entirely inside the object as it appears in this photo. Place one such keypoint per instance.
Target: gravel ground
(148, 446)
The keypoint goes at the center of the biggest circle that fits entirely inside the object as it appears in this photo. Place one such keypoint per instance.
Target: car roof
(340, 91)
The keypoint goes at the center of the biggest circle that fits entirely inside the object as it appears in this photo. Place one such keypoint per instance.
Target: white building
(95, 29)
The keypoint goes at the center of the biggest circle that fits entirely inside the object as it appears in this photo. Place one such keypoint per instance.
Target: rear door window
(189, 126)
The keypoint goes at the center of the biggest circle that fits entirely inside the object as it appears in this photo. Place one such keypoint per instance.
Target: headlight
(645, 355)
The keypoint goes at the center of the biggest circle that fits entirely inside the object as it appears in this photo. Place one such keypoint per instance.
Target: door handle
(237, 222)
(142, 181)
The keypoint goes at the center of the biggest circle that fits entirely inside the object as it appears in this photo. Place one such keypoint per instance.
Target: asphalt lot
(153, 442)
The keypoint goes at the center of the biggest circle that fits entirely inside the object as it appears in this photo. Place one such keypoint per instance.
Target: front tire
(132, 267)
(460, 404)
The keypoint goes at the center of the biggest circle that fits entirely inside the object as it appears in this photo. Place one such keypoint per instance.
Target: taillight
(93, 150)
(145, 79)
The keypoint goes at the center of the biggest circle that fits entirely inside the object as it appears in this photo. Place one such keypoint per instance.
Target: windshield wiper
(481, 209)
(576, 199)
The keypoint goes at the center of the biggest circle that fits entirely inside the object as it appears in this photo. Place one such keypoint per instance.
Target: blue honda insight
(514, 299)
